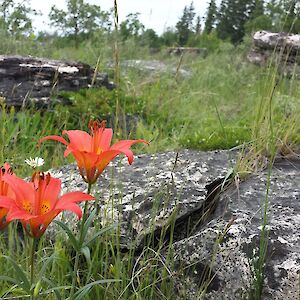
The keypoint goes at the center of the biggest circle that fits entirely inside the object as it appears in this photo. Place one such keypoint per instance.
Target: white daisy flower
(35, 162)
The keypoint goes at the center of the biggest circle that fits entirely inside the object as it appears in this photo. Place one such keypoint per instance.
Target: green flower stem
(75, 270)
(33, 245)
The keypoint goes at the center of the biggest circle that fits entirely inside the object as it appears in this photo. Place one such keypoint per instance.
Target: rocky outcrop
(218, 227)
(153, 67)
(281, 48)
(31, 80)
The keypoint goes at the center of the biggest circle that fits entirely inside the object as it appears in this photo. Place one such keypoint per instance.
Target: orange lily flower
(93, 152)
(37, 203)
(5, 190)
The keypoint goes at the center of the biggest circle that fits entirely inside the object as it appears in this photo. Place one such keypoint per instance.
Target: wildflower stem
(81, 238)
(33, 245)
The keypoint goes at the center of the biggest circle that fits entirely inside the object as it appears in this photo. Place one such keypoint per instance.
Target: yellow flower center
(27, 206)
(45, 207)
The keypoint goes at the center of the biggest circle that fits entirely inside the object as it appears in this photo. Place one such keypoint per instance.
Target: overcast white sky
(156, 14)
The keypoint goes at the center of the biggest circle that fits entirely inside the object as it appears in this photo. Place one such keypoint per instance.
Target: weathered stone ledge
(220, 240)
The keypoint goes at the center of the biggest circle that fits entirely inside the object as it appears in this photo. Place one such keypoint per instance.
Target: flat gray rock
(146, 194)
(154, 67)
(229, 263)
(217, 227)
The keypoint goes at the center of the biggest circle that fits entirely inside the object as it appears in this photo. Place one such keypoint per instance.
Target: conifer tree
(232, 16)
(184, 26)
(259, 18)
(257, 9)
(211, 16)
(291, 23)
(285, 15)
(198, 25)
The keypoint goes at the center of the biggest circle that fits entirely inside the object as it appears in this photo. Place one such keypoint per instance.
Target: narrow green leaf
(100, 232)
(46, 262)
(87, 224)
(83, 292)
(21, 277)
(85, 289)
(37, 288)
(227, 177)
(54, 290)
(8, 291)
(70, 234)
(87, 253)
(9, 279)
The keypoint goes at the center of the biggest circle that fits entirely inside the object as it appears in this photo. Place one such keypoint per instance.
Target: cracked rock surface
(220, 252)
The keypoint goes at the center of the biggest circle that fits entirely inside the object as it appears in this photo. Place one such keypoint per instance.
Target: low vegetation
(225, 103)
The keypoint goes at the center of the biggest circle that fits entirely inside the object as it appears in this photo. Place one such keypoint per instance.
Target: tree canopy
(15, 17)
(80, 18)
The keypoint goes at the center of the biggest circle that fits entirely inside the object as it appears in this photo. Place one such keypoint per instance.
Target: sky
(155, 14)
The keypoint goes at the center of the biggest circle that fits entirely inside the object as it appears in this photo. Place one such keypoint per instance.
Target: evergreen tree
(150, 39)
(232, 16)
(184, 26)
(291, 23)
(285, 15)
(169, 37)
(259, 19)
(211, 16)
(257, 9)
(198, 25)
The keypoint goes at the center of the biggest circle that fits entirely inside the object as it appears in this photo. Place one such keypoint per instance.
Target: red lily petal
(53, 137)
(51, 193)
(123, 146)
(44, 219)
(3, 219)
(86, 160)
(75, 208)
(106, 139)
(40, 223)
(23, 190)
(6, 202)
(72, 197)
(79, 140)
(105, 158)
(15, 212)
(3, 212)
(69, 150)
